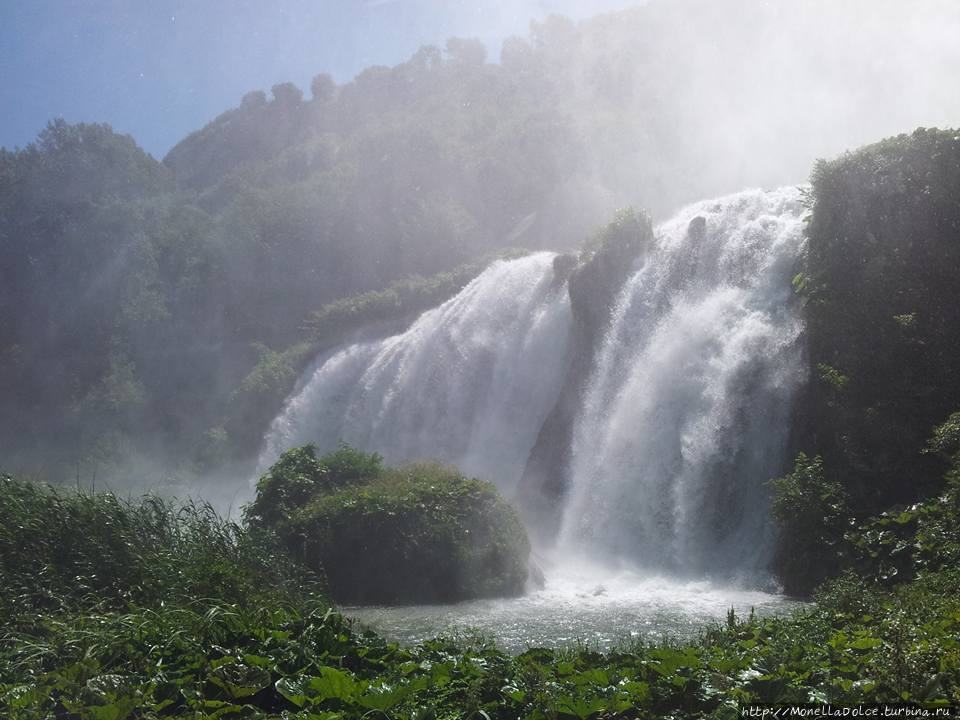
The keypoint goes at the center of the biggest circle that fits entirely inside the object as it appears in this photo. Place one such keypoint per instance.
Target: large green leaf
(330, 684)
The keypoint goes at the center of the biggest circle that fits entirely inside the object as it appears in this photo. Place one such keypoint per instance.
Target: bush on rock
(420, 533)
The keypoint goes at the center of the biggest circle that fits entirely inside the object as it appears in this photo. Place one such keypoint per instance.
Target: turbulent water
(580, 605)
(686, 414)
(682, 420)
(468, 383)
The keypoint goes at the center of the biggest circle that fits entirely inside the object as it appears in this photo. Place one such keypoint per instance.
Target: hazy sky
(158, 69)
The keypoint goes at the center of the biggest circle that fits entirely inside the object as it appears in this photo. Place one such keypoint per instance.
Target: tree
(469, 52)
(811, 512)
(287, 94)
(322, 88)
(253, 99)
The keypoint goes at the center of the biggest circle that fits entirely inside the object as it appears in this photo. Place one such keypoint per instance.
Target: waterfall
(687, 410)
(682, 420)
(469, 383)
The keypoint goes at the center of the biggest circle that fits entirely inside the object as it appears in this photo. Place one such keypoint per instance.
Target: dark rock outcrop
(593, 283)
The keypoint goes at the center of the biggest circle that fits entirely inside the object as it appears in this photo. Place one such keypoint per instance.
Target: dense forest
(141, 294)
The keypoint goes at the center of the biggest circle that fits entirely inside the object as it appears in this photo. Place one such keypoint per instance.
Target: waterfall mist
(469, 383)
(683, 419)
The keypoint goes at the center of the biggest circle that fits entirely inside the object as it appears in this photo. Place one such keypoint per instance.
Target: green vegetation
(178, 614)
(883, 260)
(878, 508)
(820, 536)
(260, 394)
(909, 542)
(416, 534)
(137, 325)
(62, 551)
(884, 250)
(811, 513)
(163, 309)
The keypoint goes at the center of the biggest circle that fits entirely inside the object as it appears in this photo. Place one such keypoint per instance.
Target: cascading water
(681, 420)
(469, 383)
(684, 416)
(686, 413)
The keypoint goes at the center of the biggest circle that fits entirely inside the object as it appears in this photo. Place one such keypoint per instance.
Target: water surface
(579, 607)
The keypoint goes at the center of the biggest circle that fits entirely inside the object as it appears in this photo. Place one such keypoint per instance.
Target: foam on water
(579, 604)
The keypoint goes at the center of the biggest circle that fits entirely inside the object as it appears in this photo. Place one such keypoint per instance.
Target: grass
(64, 551)
(153, 610)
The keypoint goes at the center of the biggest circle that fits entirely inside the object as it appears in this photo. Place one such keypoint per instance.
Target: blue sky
(158, 69)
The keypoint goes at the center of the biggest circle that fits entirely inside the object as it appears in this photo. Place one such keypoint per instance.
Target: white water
(580, 604)
(469, 383)
(686, 414)
(683, 420)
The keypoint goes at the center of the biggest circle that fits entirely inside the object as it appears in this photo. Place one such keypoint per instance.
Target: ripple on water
(579, 608)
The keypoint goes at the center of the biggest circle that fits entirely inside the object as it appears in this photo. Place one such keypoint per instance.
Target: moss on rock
(420, 533)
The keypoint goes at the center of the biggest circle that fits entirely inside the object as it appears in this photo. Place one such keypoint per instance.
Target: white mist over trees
(215, 257)
(679, 100)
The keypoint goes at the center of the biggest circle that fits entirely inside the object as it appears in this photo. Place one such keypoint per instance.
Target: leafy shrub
(419, 533)
(904, 542)
(946, 441)
(811, 512)
(299, 475)
(849, 595)
(65, 550)
(217, 660)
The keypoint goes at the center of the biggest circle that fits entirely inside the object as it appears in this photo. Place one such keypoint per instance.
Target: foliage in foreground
(252, 651)
(65, 551)
(811, 512)
(906, 542)
(820, 535)
(217, 660)
(419, 533)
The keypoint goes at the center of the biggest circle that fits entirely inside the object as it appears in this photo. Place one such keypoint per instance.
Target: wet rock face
(697, 228)
(593, 283)
(563, 267)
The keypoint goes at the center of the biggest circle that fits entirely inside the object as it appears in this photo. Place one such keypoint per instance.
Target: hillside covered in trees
(140, 295)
